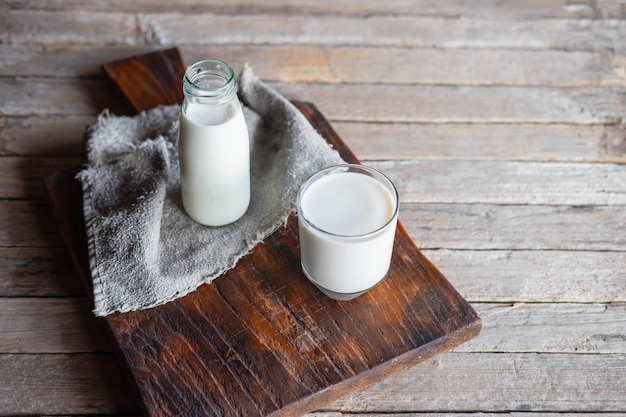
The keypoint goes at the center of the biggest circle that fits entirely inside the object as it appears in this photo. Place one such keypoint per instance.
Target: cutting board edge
(382, 371)
(330, 393)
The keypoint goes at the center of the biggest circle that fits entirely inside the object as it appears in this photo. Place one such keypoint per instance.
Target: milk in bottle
(214, 149)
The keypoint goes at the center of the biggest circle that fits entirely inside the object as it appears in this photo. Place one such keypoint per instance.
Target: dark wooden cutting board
(261, 340)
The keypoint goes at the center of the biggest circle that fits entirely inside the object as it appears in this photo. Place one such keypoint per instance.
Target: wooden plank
(466, 382)
(583, 276)
(487, 227)
(63, 135)
(136, 81)
(26, 183)
(484, 182)
(62, 384)
(394, 103)
(51, 325)
(335, 64)
(495, 182)
(69, 27)
(550, 328)
(391, 65)
(65, 60)
(28, 223)
(477, 141)
(548, 276)
(29, 96)
(479, 8)
(38, 272)
(388, 31)
(431, 226)
(63, 27)
(274, 329)
(66, 325)
(451, 104)
(44, 136)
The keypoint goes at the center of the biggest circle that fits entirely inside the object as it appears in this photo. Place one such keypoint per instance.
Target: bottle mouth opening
(210, 79)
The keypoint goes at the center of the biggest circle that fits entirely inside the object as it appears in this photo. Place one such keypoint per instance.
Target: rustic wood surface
(501, 123)
(261, 340)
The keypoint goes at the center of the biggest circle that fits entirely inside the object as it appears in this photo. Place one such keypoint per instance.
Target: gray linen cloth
(144, 250)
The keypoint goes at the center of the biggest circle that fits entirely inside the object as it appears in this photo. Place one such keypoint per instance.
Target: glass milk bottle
(214, 149)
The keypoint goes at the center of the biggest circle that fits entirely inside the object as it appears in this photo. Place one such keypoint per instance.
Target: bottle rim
(211, 81)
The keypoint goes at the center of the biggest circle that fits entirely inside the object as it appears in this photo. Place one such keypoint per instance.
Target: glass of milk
(347, 216)
(213, 147)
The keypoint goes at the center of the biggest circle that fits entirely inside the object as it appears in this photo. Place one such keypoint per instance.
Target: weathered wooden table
(501, 125)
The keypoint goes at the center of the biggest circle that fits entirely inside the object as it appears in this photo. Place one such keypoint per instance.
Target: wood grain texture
(548, 328)
(28, 223)
(26, 183)
(261, 339)
(50, 97)
(291, 332)
(61, 325)
(530, 381)
(575, 384)
(43, 136)
(451, 8)
(481, 141)
(560, 269)
(485, 182)
(450, 104)
(498, 182)
(63, 135)
(154, 80)
(394, 103)
(336, 64)
(51, 325)
(532, 276)
(38, 272)
(431, 225)
(113, 27)
(58, 384)
(545, 227)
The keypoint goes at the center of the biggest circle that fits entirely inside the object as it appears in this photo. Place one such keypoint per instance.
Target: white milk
(347, 228)
(214, 164)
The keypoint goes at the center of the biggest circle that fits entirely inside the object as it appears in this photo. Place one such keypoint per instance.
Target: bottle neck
(209, 82)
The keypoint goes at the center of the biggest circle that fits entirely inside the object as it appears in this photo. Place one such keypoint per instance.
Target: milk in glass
(347, 219)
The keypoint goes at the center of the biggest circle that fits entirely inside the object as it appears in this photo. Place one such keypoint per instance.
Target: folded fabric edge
(89, 216)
